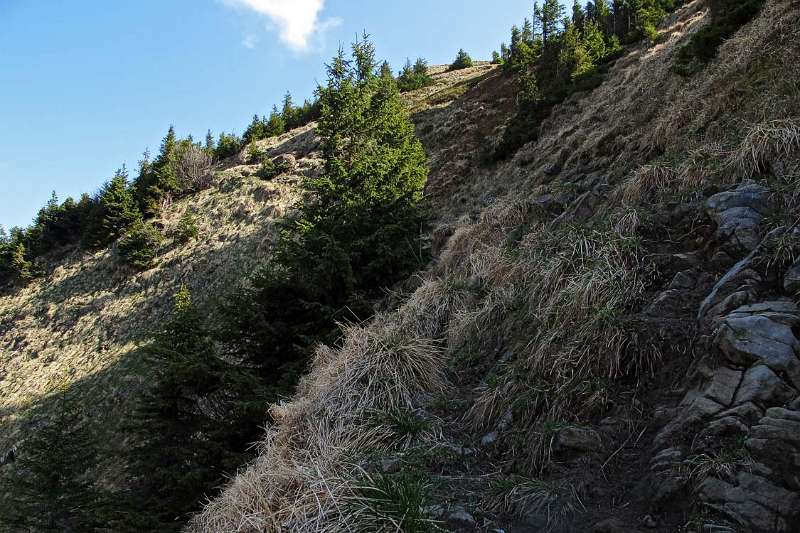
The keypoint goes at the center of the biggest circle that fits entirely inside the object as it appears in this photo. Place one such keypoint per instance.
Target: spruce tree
(139, 245)
(551, 14)
(192, 428)
(210, 144)
(352, 236)
(578, 15)
(115, 211)
(20, 265)
(256, 130)
(288, 112)
(462, 60)
(386, 69)
(47, 487)
(228, 145)
(160, 178)
(276, 125)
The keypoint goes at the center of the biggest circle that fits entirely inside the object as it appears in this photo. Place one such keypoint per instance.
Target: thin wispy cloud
(297, 21)
(250, 41)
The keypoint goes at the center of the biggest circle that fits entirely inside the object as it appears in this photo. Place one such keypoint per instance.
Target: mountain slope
(607, 340)
(81, 326)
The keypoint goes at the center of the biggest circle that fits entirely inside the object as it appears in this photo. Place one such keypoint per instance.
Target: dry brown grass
(572, 290)
(572, 286)
(563, 300)
(767, 143)
(306, 478)
(646, 181)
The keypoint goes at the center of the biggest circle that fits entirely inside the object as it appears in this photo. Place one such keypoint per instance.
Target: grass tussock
(393, 503)
(518, 496)
(568, 295)
(765, 144)
(646, 181)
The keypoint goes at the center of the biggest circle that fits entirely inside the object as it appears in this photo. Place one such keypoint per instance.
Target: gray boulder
(751, 336)
(736, 288)
(791, 281)
(739, 213)
(763, 386)
(753, 501)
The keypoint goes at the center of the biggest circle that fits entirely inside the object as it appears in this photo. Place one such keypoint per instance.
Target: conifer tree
(210, 144)
(551, 14)
(228, 145)
(505, 53)
(255, 131)
(192, 427)
(414, 76)
(159, 178)
(115, 211)
(139, 245)
(386, 70)
(46, 486)
(462, 60)
(578, 15)
(526, 34)
(20, 266)
(352, 238)
(275, 125)
(288, 111)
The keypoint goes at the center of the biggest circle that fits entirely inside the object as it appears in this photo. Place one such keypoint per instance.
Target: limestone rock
(753, 501)
(761, 385)
(739, 213)
(791, 281)
(747, 339)
(686, 279)
(286, 162)
(775, 444)
(461, 518)
(741, 280)
(748, 412)
(723, 385)
(665, 459)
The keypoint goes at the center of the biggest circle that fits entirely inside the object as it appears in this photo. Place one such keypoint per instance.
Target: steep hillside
(82, 325)
(608, 338)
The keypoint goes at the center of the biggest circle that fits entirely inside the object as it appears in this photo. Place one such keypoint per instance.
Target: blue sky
(87, 85)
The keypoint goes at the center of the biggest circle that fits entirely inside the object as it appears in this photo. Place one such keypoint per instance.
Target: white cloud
(250, 41)
(296, 20)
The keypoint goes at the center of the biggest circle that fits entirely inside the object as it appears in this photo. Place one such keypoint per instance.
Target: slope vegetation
(607, 339)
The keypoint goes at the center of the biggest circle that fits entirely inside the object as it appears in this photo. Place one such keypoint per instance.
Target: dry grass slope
(563, 297)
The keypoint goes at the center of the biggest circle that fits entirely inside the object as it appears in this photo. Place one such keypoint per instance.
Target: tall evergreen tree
(353, 235)
(256, 131)
(115, 211)
(552, 13)
(209, 145)
(276, 125)
(578, 15)
(46, 487)
(160, 178)
(192, 427)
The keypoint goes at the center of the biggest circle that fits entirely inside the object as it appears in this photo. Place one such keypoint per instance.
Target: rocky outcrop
(739, 214)
(742, 398)
(737, 287)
